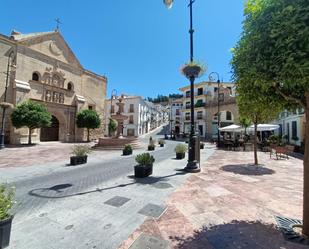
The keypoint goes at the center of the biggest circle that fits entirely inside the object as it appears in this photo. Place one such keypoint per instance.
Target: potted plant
(151, 145)
(181, 150)
(127, 150)
(145, 164)
(6, 202)
(80, 153)
(161, 142)
(202, 145)
(192, 69)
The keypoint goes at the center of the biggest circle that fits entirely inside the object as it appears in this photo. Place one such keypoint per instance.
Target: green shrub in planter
(127, 150)
(6, 203)
(145, 164)
(80, 153)
(181, 150)
(161, 142)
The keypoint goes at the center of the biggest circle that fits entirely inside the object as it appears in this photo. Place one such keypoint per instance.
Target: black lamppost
(218, 98)
(113, 94)
(171, 128)
(193, 164)
(4, 104)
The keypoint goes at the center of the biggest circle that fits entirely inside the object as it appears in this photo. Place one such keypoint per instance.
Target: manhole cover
(149, 242)
(117, 201)
(286, 226)
(152, 210)
(162, 185)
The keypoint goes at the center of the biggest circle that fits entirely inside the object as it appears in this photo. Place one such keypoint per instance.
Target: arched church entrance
(50, 133)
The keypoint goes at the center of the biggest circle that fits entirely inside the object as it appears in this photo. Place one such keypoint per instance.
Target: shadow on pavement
(57, 191)
(247, 169)
(60, 187)
(236, 234)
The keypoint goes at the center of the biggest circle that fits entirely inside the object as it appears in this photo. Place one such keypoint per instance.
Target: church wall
(6, 47)
(88, 89)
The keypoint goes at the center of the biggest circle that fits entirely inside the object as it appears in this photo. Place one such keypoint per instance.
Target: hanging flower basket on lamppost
(6, 105)
(193, 70)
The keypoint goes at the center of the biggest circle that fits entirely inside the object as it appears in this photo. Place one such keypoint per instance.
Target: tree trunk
(29, 136)
(306, 173)
(255, 144)
(88, 135)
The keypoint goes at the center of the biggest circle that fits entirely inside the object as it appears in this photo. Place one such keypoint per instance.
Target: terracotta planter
(142, 171)
(75, 160)
(180, 156)
(5, 232)
(192, 71)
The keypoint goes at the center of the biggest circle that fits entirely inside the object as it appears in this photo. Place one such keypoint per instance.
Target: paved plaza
(228, 205)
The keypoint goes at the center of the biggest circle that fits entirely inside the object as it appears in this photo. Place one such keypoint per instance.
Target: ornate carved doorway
(51, 133)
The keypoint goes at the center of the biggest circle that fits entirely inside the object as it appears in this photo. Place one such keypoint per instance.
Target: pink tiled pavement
(231, 204)
(45, 152)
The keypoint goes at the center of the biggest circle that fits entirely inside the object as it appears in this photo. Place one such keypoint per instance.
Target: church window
(70, 86)
(35, 76)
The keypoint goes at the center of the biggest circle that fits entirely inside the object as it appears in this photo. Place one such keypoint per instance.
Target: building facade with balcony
(176, 115)
(206, 107)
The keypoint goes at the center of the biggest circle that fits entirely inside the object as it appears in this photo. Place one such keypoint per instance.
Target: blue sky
(138, 44)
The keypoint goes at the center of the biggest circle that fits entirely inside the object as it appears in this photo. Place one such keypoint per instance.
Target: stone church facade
(45, 70)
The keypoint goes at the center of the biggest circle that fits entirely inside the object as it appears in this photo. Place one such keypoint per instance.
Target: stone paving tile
(231, 207)
(44, 152)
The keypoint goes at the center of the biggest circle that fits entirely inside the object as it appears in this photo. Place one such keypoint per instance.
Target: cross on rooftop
(58, 22)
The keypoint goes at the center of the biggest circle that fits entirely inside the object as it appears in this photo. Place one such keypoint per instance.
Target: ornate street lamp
(212, 79)
(4, 104)
(113, 94)
(191, 71)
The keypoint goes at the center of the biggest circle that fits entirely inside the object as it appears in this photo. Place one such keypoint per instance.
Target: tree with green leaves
(272, 54)
(245, 123)
(255, 108)
(112, 126)
(32, 115)
(88, 119)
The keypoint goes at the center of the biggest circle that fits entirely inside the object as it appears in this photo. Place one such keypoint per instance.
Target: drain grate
(117, 201)
(286, 226)
(152, 210)
(149, 242)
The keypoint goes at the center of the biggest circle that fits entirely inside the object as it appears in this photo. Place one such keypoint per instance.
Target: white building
(292, 126)
(175, 115)
(143, 116)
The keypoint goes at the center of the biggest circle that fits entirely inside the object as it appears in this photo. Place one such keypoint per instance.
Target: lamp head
(168, 3)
